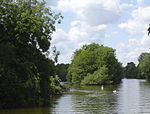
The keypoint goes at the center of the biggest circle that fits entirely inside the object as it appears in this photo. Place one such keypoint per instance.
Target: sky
(120, 24)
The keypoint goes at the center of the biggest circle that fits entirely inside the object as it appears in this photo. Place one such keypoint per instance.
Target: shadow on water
(27, 111)
(38, 110)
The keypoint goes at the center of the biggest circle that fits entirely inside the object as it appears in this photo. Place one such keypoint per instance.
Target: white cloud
(134, 42)
(133, 27)
(130, 51)
(67, 5)
(145, 41)
(92, 12)
(79, 33)
(140, 1)
(95, 14)
(90, 24)
(126, 6)
(138, 24)
(93, 18)
(142, 14)
(71, 5)
(59, 35)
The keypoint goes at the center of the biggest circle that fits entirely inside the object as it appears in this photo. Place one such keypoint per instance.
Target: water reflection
(132, 97)
(27, 111)
(88, 100)
(128, 97)
(144, 104)
(63, 105)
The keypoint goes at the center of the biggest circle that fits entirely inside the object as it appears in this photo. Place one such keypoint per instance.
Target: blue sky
(121, 24)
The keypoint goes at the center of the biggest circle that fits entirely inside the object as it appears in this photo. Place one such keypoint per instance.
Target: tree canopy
(25, 70)
(130, 71)
(62, 70)
(144, 66)
(94, 64)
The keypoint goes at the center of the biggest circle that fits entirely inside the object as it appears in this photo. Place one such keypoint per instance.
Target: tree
(142, 56)
(25, 33)
(99, 77)
(130, 71)
(90, 60)
(144, 66)
(61, 71)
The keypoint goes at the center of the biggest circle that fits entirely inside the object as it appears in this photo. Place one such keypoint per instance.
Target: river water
(132, 96)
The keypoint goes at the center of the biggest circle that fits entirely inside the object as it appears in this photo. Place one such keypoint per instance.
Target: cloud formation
(78, 35)
(89, 25)
(136, 27)
(92, 12)
(96, 20)
(131, 50)
(133, 27)
(140, 18)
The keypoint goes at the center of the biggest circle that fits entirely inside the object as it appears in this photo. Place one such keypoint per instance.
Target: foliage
(61, 71)
(25, 33)
(89, 60)
(130, 71)
(144, 66)
(55, 85)
(99, 77)
(142, 56)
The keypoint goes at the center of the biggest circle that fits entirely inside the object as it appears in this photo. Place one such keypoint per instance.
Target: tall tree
(130, 71)
(144, 66)
(61, 71)
(94, 59)
(25, 33)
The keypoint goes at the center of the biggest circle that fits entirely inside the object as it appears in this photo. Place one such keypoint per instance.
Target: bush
(99, 77)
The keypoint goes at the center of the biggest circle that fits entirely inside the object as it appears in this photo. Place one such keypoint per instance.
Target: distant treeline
(130, 71)
(61, 71)
(141, 71)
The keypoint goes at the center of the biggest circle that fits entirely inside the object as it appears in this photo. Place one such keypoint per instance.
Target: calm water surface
(132, 97)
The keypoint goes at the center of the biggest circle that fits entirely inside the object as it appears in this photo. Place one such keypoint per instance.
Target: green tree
(61, 71)
(142, 56)
(89, 60)
(130, 71)
(144, 66)
(99, 77)
(25, 33)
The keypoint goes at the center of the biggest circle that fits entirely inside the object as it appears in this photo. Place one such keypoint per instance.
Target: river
(132, 96)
